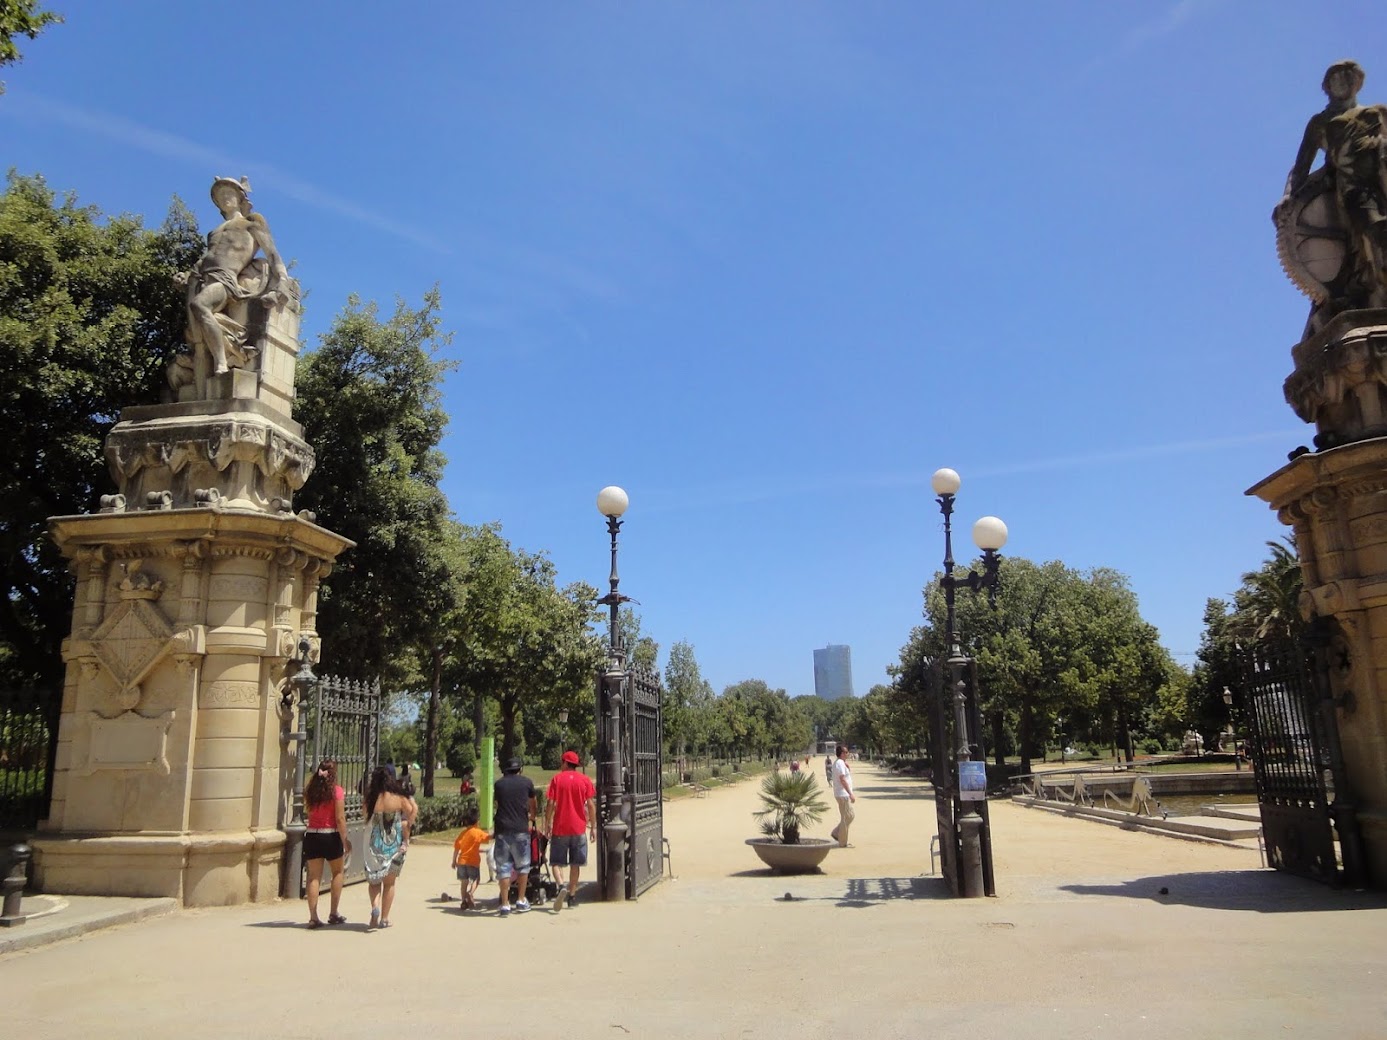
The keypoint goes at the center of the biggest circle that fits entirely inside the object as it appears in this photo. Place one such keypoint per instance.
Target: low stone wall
(1120, 784)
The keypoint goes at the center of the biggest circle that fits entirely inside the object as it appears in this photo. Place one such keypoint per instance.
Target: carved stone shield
(1311, 240)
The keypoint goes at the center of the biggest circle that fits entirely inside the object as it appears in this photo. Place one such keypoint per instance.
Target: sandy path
(1079, 944)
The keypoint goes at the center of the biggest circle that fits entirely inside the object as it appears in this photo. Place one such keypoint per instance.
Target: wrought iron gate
(642, 743)
(1301, 784)
(28, 754)
(344, 724)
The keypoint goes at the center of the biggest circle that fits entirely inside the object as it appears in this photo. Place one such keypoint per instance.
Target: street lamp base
(970, 856)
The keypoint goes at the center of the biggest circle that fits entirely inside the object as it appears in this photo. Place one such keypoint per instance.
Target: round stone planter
(803, 858)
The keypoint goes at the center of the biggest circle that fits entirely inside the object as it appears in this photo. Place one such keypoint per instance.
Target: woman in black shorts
(326, 838)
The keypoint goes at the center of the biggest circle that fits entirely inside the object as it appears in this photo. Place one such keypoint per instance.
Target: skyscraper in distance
(833, 672)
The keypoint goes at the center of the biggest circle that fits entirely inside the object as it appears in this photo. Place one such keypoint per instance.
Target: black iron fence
(344, 724)
(28, 754)
(646, 741)
(1302, 789)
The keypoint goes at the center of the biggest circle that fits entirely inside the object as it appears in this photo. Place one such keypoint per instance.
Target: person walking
(570, 816)
(467, 856)
(390, 814)
(843, 794)
(516, 811)
(326, 839)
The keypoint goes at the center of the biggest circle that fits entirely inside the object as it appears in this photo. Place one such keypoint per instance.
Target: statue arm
(1310, 146)
(260, 231)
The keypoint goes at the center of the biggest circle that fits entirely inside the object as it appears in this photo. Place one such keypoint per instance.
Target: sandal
(375, 919)
(385, 924)
(336, 919)
(313, 922)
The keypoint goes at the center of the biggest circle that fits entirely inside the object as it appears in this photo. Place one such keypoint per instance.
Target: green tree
(523, 642)
(89, 317)
(1268, 601)
(369, 399)
(1060, 642)
(1265, 608)
(688, 702)
(641, 649)
(20, 18)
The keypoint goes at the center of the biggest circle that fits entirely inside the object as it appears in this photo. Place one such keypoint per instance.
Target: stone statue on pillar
(230, 278)
(1331, 225)
(196, 583)
(1331, 236)
(237, 295)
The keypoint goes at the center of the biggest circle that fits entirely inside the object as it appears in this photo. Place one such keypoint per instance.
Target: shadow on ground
(1260, 891)
(916, 793)
(858, 892)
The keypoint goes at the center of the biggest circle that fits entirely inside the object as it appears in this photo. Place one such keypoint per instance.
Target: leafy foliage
(21, 18)
(790, 802)
(1060, 643)
(1265, 606)
(369, 399)
(521, 640)
(89, 316)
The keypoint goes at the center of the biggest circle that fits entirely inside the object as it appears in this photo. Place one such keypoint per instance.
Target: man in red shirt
(570, 816)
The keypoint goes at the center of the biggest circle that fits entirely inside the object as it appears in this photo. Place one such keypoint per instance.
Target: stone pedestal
(194, 584)
(1335, 498)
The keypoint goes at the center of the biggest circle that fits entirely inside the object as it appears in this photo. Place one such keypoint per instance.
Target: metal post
(296, 688)
(615, 826)
(970, 823)
(15, 881)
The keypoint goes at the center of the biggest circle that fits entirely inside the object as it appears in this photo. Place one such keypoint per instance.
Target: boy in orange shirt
(467, 855)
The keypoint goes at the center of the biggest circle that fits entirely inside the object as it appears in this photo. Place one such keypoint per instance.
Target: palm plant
(1268, 604)
(790, 802)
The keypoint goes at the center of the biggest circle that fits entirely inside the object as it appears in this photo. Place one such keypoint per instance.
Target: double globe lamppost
(611, 503)
(989, 534)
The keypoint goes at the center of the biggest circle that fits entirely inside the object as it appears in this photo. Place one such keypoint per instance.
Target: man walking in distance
(843, 794)
(570, 810)
(515, 815)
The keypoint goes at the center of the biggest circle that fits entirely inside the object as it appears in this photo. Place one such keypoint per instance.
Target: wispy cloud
(183, 150)
(1150, 451)
(752, 490)
(1172, 17)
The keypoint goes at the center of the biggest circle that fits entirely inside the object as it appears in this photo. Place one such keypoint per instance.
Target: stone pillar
(1335, 498)
(170, 774)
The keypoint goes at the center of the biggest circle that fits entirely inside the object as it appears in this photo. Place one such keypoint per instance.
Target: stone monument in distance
(195, 582)
(1331, 234)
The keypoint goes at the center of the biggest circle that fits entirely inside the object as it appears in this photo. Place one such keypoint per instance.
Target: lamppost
(563, 729)
(989, 534)
(1233, 725)
(296, 688)
(611, 503)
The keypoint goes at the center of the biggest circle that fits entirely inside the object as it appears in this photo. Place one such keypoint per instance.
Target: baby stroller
(540, 884)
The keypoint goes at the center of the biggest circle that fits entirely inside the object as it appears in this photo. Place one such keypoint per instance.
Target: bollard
(14, 885)
(970, 856)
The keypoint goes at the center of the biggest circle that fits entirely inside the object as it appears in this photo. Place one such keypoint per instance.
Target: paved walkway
(1081, 942)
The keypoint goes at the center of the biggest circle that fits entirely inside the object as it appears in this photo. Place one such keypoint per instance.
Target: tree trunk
(478, 721)
(998, 737)
(1024, 734)
(508, 708)
(431, 724)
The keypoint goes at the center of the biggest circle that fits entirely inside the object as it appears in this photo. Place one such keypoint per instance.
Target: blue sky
(769, 265)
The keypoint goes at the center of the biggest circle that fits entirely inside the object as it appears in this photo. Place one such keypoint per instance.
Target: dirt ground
(1080, 942)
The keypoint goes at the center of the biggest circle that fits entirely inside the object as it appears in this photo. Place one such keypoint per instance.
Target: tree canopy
(21, 18)
(89, 317)
(369, 399)
(1060, 643)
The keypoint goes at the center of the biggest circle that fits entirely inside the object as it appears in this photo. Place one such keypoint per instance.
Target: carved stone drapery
(1340, 379)
(211, 462)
